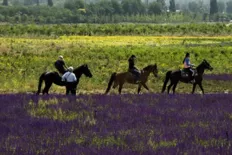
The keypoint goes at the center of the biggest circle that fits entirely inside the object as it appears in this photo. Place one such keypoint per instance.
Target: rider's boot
(137, 80)
(193, 81)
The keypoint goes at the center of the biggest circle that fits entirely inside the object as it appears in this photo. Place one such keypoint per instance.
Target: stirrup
(193, 81)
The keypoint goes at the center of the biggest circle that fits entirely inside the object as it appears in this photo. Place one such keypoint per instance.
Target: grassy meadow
(24, 59)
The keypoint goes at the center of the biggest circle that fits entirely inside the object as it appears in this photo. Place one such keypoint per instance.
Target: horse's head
(207, 65)
(86, 70)
(153, 69)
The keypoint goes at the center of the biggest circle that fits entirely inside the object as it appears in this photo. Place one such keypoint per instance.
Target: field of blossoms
(113, 124)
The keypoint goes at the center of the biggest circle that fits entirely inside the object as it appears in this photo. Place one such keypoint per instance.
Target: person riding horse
(60, 65)
(132, 69)
(188, 67)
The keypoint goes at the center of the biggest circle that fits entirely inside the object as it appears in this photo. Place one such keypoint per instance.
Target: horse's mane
(79, 67)
(147, 68)
(201, 64)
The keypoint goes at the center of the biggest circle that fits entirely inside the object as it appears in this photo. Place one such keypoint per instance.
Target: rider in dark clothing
(60, 65)
(133, 69)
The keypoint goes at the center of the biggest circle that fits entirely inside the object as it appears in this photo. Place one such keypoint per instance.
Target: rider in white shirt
(71, 81)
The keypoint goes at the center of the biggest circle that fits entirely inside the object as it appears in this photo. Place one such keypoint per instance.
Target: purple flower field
(116, 124)
(222, 77)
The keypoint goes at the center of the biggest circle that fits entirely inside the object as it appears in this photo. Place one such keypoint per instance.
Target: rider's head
(61, 57)
(70, 69)
(133, 56)
(187, 55)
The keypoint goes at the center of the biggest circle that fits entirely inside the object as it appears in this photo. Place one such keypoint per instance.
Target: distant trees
(74, 4)
(162, 4)
(221, 6)
(193, 7)
(5, 2)
(229, 6)
(105, 11)
(116, 6)
(155, 8)
(50, 3)
(133, 7)
(172, 6)
(213, 7)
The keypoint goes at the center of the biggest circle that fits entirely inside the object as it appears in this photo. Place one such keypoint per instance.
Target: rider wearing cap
(133, 69)
(60, 65)
(71, 81)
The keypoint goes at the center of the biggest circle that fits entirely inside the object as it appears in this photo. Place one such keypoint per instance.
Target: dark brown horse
(175, 77)
(120, 78)
(54, 77)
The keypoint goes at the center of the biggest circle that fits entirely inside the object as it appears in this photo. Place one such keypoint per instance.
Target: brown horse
(121, 78)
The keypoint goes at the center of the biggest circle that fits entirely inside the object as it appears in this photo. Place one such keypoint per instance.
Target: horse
(120, 78)
(54, 77)
(175, 77)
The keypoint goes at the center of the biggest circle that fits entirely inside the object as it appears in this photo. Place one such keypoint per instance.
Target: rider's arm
(74, 77)
(65, 65)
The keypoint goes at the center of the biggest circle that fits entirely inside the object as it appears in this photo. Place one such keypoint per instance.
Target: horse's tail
(168, 74)
(112, 78)
(41, 78)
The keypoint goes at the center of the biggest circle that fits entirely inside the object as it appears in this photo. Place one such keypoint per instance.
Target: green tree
(133, 7)
(229, 6)
(5, 2)
(74, 4)
(50, 3)
(116, 6)
(154, 8)
(193, 7)
(213, 7)
(172, 6)
(163, 5)
(28, 2)
(221, 6)
(37, 2)
(104, 7)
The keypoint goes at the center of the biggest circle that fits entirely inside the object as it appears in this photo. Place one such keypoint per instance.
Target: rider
(71, 81)
(188, 67)
(133, 69)
(60, 65)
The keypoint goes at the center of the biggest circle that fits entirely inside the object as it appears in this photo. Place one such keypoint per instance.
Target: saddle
(135, 74)
(185, 73)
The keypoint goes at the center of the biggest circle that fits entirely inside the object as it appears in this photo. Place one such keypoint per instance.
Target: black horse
(54, 77)
(175, 77)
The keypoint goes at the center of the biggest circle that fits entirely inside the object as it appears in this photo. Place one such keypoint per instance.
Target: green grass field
(23, 59)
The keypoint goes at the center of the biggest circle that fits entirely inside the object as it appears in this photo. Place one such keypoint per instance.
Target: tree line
(112, 11)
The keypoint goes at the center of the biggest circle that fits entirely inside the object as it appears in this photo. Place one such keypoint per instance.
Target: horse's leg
(174, 87)
(115, 85)
(145, 86)
(200, 85)
(139, 88)
(169, 87)
(194, 86)
(44, 90)
(48, 84)
(120, 88)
